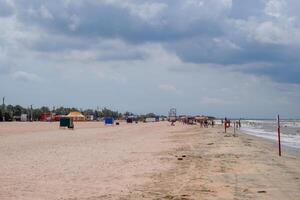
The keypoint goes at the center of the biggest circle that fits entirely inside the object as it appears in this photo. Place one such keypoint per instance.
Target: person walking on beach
(201, 123)
(206, 124)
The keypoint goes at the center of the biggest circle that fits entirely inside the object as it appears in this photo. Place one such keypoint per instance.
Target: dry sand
(141, 161)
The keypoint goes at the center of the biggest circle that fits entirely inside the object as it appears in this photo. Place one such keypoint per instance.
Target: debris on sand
(262, 191)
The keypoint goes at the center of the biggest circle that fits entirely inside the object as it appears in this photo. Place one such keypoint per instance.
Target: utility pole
(3, 110)
(31, 117)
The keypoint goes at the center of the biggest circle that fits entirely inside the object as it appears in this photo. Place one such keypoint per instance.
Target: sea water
(290, 130)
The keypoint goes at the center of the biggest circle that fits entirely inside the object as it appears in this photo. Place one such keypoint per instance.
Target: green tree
(150, 115)
(44, 109)
(18, 110)
(1, 115)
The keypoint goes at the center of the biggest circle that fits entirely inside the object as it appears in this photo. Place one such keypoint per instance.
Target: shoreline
(284, 147)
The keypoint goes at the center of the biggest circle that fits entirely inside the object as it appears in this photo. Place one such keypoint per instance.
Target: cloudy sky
(238, 58)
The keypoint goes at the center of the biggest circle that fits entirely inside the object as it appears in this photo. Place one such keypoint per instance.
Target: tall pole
(278, 129)
(3, 109)
(234, 129)
(225, 124)
(31, 117)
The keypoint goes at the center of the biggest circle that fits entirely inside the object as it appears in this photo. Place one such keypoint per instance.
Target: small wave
(287, 140)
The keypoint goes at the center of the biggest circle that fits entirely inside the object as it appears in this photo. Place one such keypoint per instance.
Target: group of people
(206, 123)
(226, 122)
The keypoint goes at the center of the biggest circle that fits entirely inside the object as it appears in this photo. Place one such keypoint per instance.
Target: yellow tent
(76, 116)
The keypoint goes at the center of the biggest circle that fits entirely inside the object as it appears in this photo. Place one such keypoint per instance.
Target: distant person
(206, 124)
(201, 123)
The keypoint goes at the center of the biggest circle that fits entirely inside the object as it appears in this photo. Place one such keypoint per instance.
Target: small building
(46, 117)
(108, 121)
(150, 119)
(24, 118)
(57, 117)
(162, 119)
(157, 119)
(89, 117)
(66, 122)
(131, 119)
(76, 116)
(17, 118)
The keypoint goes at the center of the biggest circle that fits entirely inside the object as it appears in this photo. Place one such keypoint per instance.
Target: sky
(235, 58)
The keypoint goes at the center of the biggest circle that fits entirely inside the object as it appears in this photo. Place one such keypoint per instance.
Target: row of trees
(11, 112)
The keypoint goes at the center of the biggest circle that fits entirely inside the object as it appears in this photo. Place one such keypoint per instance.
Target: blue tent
(109, 121)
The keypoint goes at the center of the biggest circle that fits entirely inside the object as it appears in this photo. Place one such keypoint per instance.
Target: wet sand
(141, 161)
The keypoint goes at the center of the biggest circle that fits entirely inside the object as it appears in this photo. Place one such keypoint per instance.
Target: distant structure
(23, 118)
(150, 119)
(89, 117)
(108, 121)
(76, 116)
(31, 115)
(46, 116)
(3, 110)
(132, 118)
(66, 122)
(173, 116)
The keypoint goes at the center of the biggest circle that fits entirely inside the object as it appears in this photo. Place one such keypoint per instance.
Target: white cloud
(144, 10)
(41, 12)
(13, 34)
(74, 22)
(106, 74)
(224, 42)
(214, 101)
(169, 88)
(45, 13)
(268, 32)
(220, 4)
(275, 8)
(281, 31)
(77, 55)
(227, 3)
(195, 2)
(25, 76)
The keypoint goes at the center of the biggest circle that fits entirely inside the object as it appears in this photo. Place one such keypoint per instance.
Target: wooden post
(234, 129)
(31, 117)
(3, 110)
(278, 129)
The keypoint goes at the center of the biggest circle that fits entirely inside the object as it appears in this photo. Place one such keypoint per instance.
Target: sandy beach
(141, 161)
